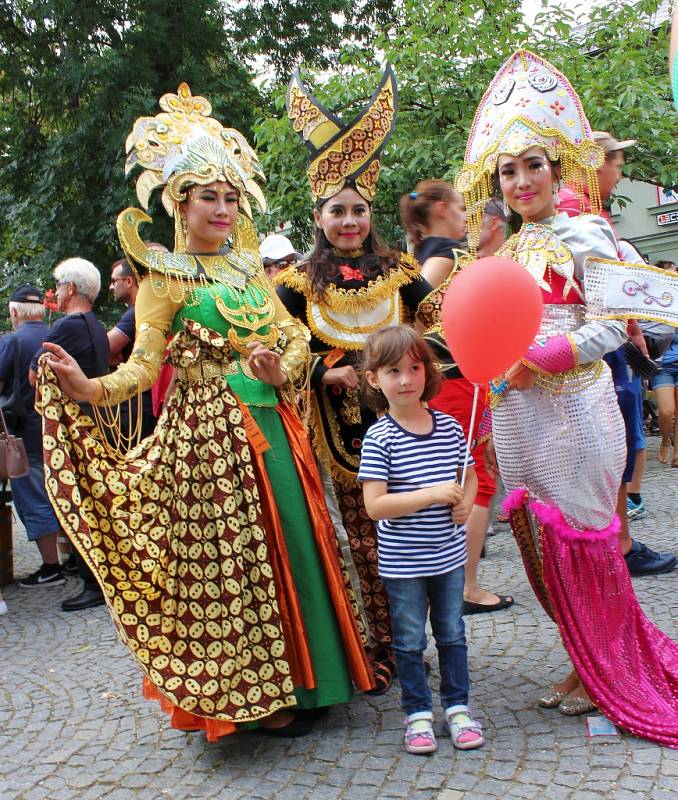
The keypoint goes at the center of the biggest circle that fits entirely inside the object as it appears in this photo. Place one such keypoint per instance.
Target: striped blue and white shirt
(425, 542)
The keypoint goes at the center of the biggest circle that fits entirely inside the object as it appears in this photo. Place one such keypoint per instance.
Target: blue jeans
(410, 601)
(31, 502)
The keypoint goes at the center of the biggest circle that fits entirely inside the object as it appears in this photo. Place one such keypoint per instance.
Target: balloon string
(467, 454)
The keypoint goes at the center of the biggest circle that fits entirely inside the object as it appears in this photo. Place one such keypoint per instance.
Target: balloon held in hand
(490, 315)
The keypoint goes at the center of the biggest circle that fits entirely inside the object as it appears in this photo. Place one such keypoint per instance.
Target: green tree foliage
(444, 58)
(284, 32)
(73, 78)
(74, 75)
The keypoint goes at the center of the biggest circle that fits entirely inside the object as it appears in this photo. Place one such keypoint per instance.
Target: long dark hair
(322, 266)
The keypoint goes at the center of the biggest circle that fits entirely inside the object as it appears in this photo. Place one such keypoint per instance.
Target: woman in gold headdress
(350, 286)
(197, 558)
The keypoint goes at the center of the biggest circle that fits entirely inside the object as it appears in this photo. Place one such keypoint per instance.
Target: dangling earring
(236, 237)
(555, 189)
(180, 230)
(507, 210)
(180, 233)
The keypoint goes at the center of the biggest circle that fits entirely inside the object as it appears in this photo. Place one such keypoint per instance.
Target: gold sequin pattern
(174, 535)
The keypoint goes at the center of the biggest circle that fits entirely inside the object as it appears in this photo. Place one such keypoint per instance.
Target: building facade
(649, 219)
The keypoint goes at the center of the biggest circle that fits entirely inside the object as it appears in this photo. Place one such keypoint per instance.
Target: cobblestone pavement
(73, 723)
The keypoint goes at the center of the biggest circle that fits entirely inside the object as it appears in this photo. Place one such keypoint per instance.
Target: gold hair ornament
(344, 154)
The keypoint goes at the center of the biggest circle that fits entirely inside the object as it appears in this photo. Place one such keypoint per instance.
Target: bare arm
(117, 341)
(436, 269)
(380, 504)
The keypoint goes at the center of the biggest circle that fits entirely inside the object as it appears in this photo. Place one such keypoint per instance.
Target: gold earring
(236, 237)
(180, 231)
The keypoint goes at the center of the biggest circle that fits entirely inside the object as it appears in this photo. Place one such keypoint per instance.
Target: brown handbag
(13, 456)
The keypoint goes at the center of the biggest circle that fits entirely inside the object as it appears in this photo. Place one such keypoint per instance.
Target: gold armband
(139, 372)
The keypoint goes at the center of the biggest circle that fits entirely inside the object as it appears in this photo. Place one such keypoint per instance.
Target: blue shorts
(667, 376)
(31, 502)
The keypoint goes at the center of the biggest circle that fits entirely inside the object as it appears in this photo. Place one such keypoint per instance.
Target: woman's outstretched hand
(72, 379)
(265, 365)
(521, 377)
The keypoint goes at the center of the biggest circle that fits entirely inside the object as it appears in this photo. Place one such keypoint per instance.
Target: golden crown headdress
(528, 103)
(184, 145)
(344, 154)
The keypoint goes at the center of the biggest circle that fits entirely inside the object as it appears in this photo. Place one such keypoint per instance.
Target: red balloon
(490, 315)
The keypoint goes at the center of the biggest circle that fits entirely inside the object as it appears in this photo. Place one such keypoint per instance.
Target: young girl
(410, 467)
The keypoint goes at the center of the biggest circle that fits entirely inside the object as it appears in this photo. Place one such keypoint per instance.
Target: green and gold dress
(210, 538)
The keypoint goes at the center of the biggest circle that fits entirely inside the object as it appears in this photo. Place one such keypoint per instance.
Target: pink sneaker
(466, 733)
(419, 736)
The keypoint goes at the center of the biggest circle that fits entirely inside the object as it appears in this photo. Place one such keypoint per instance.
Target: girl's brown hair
(416, 206)
(387, 347)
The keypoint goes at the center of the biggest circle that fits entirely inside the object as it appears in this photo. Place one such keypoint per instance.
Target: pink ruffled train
(627, 665)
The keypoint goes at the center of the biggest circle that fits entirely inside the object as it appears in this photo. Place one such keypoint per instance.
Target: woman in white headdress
(557, 430)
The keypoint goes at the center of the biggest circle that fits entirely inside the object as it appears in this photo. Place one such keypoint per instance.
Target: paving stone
(60, 740)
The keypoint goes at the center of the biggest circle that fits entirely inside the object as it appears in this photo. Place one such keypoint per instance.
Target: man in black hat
(32, 505)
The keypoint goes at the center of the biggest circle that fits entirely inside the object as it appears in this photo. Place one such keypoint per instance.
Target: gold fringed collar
(354, 301)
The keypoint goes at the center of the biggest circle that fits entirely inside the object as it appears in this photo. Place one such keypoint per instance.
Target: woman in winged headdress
(350, 286)
(210, 538)
(556, 425)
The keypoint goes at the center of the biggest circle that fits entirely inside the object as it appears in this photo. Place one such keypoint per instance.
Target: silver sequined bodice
(564, 439)
(560, 318)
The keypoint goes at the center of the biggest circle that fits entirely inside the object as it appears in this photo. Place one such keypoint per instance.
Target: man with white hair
(26, 312)
(81, 334)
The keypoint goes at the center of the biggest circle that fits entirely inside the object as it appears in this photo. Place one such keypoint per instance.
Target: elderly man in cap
(640, 559)
(30, 499)
(277, 253)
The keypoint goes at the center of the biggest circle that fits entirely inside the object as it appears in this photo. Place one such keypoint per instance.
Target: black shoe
(89, 597)
(47, 575)
(642, 561)
(505, 601)
(312, 713)
(70, 565)
(300, 726)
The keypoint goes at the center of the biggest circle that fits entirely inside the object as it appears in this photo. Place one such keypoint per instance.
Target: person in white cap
(277, 253)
